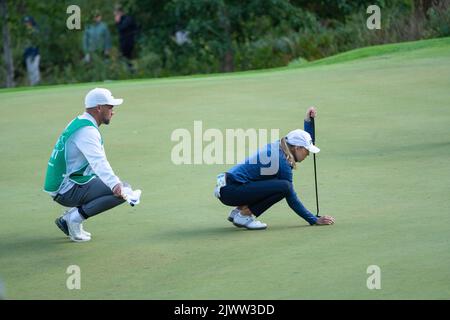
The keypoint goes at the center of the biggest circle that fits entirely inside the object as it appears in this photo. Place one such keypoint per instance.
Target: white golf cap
(301, 138)
(100, 96)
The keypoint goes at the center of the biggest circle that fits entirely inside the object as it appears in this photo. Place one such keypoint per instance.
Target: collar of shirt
(87, 116)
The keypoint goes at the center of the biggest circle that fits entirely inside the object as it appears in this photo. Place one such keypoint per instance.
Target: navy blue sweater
(251, 170)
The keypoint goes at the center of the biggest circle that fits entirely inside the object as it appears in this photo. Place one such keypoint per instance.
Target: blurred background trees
(182, 37)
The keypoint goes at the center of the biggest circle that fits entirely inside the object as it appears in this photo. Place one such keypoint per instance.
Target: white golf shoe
(75, 230)
(66, 216)
(232, 214)
(248, 222)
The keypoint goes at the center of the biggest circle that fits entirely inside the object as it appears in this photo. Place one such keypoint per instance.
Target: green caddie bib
(57, 165)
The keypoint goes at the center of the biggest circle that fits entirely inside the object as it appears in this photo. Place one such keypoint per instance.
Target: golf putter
(315, 170)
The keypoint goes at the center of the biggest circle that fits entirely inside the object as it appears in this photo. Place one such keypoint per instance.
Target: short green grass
(384, 171)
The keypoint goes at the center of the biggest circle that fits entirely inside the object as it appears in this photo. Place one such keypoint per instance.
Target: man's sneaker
(75, 232)
(62, 224)
(248, 222)
(232, 214)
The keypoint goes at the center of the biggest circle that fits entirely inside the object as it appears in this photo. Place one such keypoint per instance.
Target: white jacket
(85, 145)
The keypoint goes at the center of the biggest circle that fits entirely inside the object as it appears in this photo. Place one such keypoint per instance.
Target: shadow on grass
(32, 245)
(226, 231)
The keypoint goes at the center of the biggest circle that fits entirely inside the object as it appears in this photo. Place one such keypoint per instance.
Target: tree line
(183, 37)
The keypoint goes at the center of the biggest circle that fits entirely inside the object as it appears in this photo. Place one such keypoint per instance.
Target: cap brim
(116, 102)
(312, 148)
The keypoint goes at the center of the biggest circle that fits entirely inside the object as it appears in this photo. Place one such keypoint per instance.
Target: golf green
(383, 173)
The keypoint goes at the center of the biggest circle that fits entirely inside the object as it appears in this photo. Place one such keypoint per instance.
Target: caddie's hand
(117, 190)
(325, 220)
(311, 113)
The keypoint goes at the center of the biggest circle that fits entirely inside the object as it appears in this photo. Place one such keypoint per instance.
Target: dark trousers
(126, 47)
(257, 195)
(91, 198)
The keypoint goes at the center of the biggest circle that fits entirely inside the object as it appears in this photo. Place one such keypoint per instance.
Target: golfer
(78, 174)
(253, 190)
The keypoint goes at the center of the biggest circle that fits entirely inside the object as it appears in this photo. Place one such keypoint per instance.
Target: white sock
(76, 217)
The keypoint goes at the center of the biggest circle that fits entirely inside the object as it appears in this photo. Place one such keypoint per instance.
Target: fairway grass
(383, 172)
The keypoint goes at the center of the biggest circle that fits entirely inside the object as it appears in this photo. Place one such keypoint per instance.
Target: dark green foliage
(224, 35)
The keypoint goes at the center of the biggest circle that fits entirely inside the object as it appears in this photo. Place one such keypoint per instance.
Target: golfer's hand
(325, 220)
(117, 190)
(311, 113)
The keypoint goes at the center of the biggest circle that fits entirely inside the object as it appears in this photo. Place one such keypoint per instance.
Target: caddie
(79, 175)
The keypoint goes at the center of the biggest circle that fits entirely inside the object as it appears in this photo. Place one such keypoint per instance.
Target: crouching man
(79, 175)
